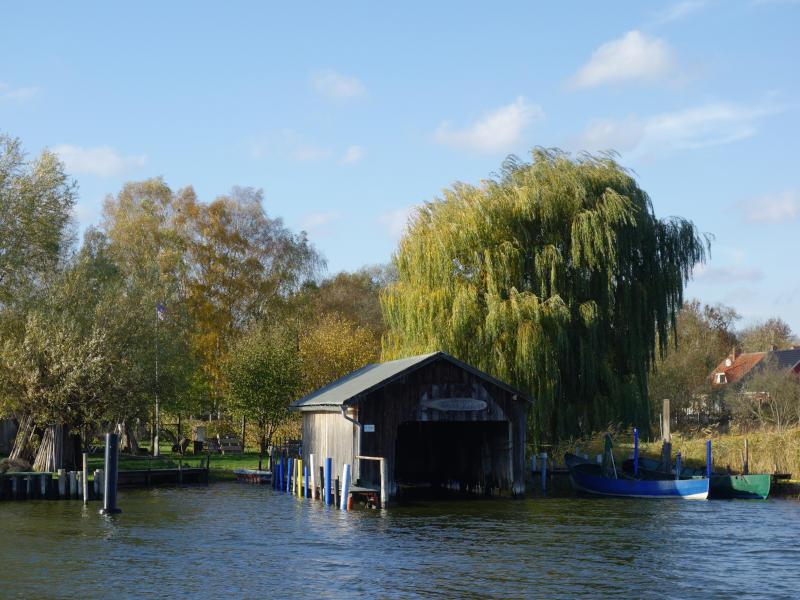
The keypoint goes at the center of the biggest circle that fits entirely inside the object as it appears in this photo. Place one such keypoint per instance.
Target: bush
(16, 465)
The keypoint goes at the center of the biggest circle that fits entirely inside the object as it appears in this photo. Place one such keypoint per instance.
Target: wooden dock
(67, 485)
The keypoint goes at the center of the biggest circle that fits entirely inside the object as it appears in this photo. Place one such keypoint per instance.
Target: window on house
(721, 378)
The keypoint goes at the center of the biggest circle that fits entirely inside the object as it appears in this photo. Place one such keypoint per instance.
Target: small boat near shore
(253, 475)
(722, 486)
(594, 479)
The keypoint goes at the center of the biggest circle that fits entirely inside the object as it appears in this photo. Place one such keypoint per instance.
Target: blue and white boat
(603, 479)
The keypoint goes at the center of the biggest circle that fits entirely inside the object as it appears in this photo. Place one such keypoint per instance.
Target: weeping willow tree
(554, 276)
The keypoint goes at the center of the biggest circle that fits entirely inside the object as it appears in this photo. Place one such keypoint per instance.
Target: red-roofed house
(738, 364)
(734, 367)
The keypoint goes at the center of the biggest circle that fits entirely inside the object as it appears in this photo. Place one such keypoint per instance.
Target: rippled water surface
(233, 540)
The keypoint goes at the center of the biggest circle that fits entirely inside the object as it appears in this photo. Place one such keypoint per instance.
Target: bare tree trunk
(129, 443)
(22, 448)
(51, 451)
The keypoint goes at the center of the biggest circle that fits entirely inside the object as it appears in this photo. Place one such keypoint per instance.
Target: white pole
(312, 472)
(345, 487)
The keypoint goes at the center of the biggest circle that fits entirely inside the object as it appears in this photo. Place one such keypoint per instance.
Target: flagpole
(157, 423)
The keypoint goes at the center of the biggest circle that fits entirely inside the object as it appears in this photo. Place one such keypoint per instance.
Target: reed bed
(768, 451)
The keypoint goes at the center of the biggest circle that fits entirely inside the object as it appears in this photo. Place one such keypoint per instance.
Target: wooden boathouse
(434, 420)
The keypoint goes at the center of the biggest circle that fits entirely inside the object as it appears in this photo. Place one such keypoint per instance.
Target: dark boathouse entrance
(434, 420)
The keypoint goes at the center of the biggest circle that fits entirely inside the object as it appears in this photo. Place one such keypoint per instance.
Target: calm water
(233, 540)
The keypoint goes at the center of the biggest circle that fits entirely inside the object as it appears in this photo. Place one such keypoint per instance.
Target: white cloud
(309, 153)
(102, 161)
(321, 223)
(771, 209)
(286, 143)
(396, 221)
(706, 274)
(337, 86)
(353, 155)
(678, 11)
(498, 130)
(633, 57)
(696, 127)
(19, 95)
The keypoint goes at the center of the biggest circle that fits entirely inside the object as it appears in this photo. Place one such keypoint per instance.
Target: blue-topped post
(678, 466)
(635, 451)
(708, 459)
(111, 464)
(305, 480)
(288, 474)
(280, 474)
(328, 467)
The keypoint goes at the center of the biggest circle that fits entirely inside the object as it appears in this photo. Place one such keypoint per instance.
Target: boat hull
(723, 486)
(253, 475)
(587, 478)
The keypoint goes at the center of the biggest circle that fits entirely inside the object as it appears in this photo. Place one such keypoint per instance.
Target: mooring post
(312, 478)
(277, 481)
(86, 478)
(111, 464)
(307, 493)
(384, 483)
(635, 451)
(336, 497)
(708, 459)
(73, 484)
(288, 474)
(746, 466)
(328, 467)
(678, 465)
(298, 478)
(345, 486)
(544, 471)
(666, 438)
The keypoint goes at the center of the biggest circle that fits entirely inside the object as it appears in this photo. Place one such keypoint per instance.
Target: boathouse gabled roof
(371, 377)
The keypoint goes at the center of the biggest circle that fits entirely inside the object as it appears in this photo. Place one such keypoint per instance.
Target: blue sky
(348, 115)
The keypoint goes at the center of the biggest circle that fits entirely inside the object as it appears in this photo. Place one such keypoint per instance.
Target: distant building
(739, 365)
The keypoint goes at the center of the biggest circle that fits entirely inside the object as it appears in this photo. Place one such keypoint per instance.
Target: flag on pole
(161, 312)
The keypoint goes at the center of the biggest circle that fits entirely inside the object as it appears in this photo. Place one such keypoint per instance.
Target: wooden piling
(73, 484)
(746, 466)
(544, 471)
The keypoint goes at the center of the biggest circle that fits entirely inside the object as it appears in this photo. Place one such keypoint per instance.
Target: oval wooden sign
(454, 404)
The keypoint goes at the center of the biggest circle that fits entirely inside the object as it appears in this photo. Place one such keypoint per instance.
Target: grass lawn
(222, 466)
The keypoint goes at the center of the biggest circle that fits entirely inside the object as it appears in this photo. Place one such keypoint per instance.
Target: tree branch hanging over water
(554, 276)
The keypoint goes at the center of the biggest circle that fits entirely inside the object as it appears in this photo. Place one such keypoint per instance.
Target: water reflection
(245, 541)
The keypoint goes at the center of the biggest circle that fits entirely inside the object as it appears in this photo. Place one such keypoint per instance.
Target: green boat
(722, 485)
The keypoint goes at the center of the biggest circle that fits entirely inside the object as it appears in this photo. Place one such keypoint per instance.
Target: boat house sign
(454, 404)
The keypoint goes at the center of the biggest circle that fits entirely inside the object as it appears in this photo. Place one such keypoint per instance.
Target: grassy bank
(222, 466)
(769, 451)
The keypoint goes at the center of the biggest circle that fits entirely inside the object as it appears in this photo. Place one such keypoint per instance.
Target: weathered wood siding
(409, 400)
(330, 435)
